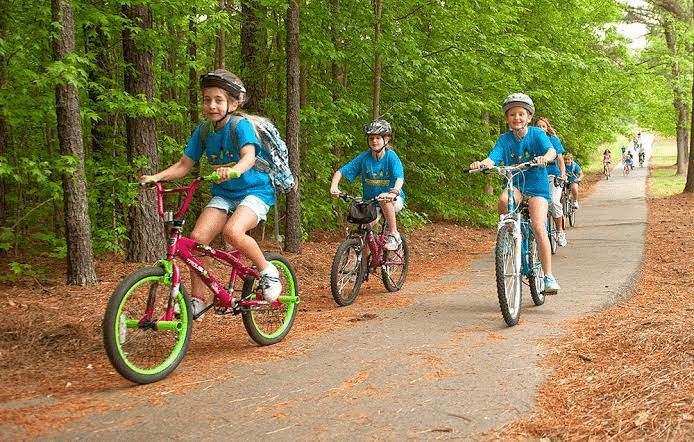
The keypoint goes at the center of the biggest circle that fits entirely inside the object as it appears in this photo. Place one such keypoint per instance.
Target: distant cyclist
(574, 175)
(606, 161)
(628, 160)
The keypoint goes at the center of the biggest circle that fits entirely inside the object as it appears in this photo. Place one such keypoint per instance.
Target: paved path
(444, 367)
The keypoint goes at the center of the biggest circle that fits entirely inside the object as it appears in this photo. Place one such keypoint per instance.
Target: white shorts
(398, 204)
(251, 201)
(555, 204)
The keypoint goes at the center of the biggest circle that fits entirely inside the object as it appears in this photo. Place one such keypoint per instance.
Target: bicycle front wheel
(508, 278)
(347, 272)
(536, 278)
(269, 323)
(395, 263)
(572, 212)
(142, 345)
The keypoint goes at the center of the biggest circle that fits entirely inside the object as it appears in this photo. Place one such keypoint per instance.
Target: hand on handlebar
(335, 192)
(226, 173)
(477, 165)
(386, 196)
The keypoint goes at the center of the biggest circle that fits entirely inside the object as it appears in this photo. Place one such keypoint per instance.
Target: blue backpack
(272, 157)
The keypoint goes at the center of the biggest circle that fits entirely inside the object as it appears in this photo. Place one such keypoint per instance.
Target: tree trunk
(378, 12)
(146, 232)
(254, 58)
(220, 43)
(678, 99)
(3, 127)
(80, 260)
(689, 184)
(293, 231)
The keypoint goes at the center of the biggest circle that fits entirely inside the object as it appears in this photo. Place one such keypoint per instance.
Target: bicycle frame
(375, 243)
(517, 218)
(184, 249)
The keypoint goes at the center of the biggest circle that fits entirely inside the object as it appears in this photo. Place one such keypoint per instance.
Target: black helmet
(378, 127)
(519, 99)
(224, 79)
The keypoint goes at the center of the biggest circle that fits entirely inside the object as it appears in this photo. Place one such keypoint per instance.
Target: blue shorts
(251, 201)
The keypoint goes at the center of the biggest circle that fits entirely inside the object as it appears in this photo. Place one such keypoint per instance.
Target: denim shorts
(251, 201)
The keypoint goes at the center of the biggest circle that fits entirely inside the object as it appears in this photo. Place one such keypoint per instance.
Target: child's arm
(487, 162)
(334, 190)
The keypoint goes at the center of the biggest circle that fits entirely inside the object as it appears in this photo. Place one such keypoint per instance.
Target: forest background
(95, 93)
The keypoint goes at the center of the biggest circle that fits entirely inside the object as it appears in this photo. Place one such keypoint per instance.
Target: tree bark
(220, 43)
(3, 127)
(689, 184)
(378, 12)
(80, 259)
(146, 233)
(293, 230)
(678, 97)
(254, 54)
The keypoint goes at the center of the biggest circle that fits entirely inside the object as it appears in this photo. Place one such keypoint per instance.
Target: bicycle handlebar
(347, 197)
(501, 169)
(187, 190)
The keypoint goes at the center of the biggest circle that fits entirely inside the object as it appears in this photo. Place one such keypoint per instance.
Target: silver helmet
(378, 127)
(519, 99)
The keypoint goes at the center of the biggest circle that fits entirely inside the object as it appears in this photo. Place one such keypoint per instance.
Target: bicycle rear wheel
(142, 346)
(269, 323)
(536, 278)
(552, 234)
(508, 278)
(347, 272)
(394, 269)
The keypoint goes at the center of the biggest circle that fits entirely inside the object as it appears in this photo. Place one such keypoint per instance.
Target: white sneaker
(575, 204)
(551, 285)
(197, 305)
(393, 242)
(270, 283)
(561, 239)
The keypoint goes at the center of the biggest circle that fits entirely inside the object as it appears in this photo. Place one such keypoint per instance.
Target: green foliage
(447, 66)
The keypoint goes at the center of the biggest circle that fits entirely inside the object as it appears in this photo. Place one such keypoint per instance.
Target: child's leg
(502, 205)
(555, 205)
(538, 219)
(235, 233)
(390, 210)
(209, 224)
(574, 190)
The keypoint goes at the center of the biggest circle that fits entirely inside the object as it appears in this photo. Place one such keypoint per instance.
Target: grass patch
(663, 181)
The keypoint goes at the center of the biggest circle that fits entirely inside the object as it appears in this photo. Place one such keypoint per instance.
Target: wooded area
(81, 119)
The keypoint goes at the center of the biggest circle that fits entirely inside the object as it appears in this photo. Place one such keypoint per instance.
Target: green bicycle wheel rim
(287, 320)
(179, 341)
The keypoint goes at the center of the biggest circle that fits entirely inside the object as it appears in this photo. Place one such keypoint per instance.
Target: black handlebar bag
(362, 212)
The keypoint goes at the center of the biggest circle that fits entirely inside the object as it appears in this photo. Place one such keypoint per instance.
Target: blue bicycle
(516, 253)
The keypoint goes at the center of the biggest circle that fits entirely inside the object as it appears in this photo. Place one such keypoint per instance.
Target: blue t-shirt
(507, 151)
(553, 169)
(220, 151)
(377, 176)
(572, 171)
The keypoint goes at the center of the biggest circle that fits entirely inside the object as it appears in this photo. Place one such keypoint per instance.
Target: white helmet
(519, 99)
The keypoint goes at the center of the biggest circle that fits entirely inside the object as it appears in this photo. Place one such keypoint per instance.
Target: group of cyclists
(627, 157)
(238, 205)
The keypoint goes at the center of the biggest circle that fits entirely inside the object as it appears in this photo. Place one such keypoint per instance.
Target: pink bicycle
(148, 320)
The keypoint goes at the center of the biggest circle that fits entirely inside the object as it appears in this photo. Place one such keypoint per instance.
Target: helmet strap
(520, 133)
